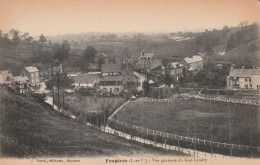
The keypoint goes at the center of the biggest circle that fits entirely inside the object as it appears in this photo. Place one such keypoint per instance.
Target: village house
(148, 61)
(243, 78)
(193, 64)
(111, 69)
(101, 56)
(21, 84)
(33, 75)
(93, 67)
(86, 80)
(175, 70)
(5, 77)
(111, 84)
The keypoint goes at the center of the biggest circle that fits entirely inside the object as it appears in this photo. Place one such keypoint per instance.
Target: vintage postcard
(129, 82)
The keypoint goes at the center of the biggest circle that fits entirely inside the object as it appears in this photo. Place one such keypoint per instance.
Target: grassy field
(178, 118)
(92, 105)
(30, 128)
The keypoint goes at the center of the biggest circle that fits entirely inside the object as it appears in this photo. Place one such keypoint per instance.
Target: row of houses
(111, 78)
(243, 78)
(26, 82)
(149, 63)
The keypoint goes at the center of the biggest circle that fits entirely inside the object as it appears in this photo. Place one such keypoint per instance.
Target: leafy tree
(42, 39)
(146, 86)
(89, 54)
(61, 51)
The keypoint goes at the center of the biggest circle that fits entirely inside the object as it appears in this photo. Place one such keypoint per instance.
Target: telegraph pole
(251, 131)
(104, 117)
(53, 92)
(230, 131)
(194, 123)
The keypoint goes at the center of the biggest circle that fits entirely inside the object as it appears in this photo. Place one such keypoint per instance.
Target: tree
(15, 35)
(61, 51)
(100, 61)
(24, 36)
(15, 38)
(146, 87)
(42, 39)
(89, 54)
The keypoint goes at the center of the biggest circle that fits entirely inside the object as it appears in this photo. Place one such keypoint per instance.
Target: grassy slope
(177, 118)
(30, 128)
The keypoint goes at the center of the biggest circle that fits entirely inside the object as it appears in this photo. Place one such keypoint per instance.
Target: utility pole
(97, 119)
(104, 117)
(251, 132)
(132, 122)
(194, 123)
(53, 91)
(230, 131)
(58, 81)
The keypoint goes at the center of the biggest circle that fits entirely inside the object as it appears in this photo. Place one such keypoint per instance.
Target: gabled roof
(93, 66)
(150, 55)
(176, 65)
(86, 79)
(243, 72)
(101, 54)
(111, 68)
(20, 79)
(5, 74)
(31, 69)
(193, 59)
(112, 78)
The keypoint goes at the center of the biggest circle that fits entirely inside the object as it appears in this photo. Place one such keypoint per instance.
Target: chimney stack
(232, 66)
(243, 67)
(142, 53)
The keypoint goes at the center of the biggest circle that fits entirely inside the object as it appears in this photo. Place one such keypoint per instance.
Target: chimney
(243, 67)
(142, 53)
(232, 66)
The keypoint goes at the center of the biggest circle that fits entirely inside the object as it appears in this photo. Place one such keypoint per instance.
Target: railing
(120, 125)
(163, 136)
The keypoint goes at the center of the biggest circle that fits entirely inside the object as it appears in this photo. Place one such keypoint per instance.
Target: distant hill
(30, 128)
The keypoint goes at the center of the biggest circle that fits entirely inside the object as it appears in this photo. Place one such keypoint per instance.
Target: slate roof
(5, 74)
(111, 68)
(175, 64)
(112, 78)
(193, 59)
(150, 55)
(31, 69)
(86, 78)
(243, 72)
(20, 79)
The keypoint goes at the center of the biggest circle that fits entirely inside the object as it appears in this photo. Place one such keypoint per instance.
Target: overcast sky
(52, 17)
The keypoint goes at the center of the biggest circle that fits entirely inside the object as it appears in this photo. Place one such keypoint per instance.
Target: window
(246, 79)
(246, 86)
(250, 85)
(249, 79)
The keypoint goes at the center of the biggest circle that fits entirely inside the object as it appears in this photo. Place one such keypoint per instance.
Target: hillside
(240, 44)
(30, 128)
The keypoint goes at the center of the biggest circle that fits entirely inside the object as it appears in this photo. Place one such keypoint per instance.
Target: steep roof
(31, 69)
(101, 54)
(20, 79)
(176, 65)
(150, 55)
(87, 78)
(111, 68)
(5, 74)
(112, 78)
(243, 72)
(193, 59)
(93, 66)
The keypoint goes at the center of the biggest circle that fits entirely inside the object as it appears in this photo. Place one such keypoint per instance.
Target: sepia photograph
(129, 82)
